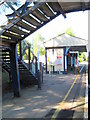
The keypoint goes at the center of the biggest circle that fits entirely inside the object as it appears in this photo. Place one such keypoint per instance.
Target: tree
(24, 43)
(69, 32)
(42, 51)
(41, 47)
(82, 57)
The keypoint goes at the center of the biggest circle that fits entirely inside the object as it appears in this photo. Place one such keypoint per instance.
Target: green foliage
(82, 57)
(41, 49)
(26, 43)
(25, 57)
(41, 39)
(69, 32)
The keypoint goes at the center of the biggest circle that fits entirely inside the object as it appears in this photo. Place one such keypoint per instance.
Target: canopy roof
(65, 40)
(27, 19)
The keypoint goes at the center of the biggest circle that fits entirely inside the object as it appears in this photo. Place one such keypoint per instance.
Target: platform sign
(59, 56)
(59, 61)
(55, 59)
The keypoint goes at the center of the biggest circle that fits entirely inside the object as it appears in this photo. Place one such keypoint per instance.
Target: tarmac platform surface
(43, 103)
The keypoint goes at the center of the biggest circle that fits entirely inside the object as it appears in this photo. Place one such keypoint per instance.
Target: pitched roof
(65, 40)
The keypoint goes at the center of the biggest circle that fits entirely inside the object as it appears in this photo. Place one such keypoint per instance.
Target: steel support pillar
(74, 59)
(39, 80)
(29, 58)
(89, 80)
(20, 49)
(65, 61)
(25, 7)
(53, 56)
(64, 58)
(14, 70)
(71, 62)
(46, 58)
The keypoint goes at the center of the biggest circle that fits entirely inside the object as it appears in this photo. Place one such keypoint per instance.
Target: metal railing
(31, 62)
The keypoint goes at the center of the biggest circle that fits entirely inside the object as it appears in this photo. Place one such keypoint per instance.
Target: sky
(77, 21)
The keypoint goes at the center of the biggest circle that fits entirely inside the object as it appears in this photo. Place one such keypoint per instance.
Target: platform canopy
(27, 19)
(65, 40)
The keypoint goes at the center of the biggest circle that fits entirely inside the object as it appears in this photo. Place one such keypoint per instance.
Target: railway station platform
(61, 96)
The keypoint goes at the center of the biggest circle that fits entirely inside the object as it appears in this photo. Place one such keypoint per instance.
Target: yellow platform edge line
(58, 109)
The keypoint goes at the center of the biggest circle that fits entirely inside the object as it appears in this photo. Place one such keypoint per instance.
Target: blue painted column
(89, 69)
(25, 6)
(42, 72)
(20, 49)
(14, 70)
(71, 62)
(46, 58)
(65, 61)
(29, 58)
(88, 79)
(64, 49)
(53, 55)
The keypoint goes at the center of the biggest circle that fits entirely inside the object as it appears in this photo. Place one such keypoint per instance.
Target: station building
(61, 52)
